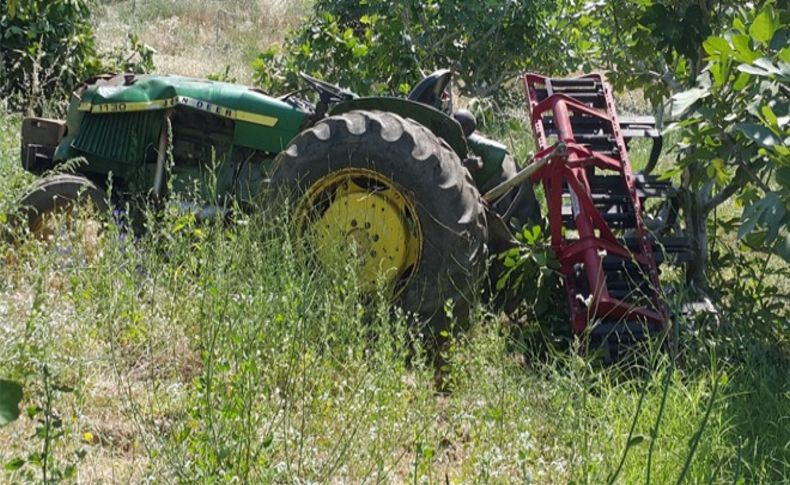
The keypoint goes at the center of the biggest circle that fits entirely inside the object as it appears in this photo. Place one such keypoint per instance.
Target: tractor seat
(430, 90)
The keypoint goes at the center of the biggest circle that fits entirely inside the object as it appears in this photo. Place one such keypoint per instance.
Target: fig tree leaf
(750, 69)
(763, 27)
(766, 64)
(681, 102)
(760, 134)
(783, 248)
(10, 396)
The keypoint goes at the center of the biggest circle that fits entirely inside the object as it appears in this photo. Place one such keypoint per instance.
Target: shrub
(736, 141)
(48, 47)
(388, 46)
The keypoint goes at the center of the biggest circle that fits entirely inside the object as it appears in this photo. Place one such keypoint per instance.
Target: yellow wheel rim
(363, 211)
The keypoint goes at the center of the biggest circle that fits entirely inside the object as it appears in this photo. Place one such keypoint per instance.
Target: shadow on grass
(757, 407)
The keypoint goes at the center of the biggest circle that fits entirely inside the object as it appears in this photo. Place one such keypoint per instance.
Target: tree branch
(757, 180)
(502, 78)
(620, 44)
(728, 140)
(724, 194)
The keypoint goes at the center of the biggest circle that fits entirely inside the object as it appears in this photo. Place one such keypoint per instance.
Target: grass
(200, 37)
(212, 353)
(206, 353)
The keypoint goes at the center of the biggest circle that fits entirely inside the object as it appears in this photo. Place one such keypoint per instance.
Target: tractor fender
(440, 124)
(492, 153)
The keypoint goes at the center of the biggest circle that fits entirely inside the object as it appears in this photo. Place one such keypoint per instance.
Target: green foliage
(224, 76)
(531, 271)
(388, 46)
(134, 57)
(654, 45)
(736, 126)
(214, 353)
(48, 48)
(43, 465)
(751, 284)
(10, 396)
(211, 352)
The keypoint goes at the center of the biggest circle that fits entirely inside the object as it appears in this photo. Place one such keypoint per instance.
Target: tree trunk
(697, 229)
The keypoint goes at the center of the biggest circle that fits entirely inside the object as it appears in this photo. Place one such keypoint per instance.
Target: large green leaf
(763, 27)
(783, 177)
(744, 52)
(681, 102)
(758, 133)
(783, 248)
(715, 45)
(766, 64)
(769, 211)
(752, 69)
(769, 116)
(10, 396)
(749, 219)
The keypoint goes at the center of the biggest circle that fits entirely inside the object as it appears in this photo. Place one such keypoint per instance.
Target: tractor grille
(123, 137)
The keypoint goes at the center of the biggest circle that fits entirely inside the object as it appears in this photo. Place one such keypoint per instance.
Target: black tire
(58, 193)
(426, 170)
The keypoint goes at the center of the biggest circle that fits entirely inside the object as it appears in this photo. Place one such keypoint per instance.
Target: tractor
(420, 197)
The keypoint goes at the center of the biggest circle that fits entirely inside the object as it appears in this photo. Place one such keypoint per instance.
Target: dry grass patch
(200, 37)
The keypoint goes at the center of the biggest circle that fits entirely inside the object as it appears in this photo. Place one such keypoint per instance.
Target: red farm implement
(608, 252)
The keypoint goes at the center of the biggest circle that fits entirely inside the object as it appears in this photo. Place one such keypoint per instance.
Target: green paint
(160, 92)
(440, 124)
(491, 152)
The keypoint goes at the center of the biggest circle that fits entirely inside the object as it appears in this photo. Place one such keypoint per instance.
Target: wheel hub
(362, 211)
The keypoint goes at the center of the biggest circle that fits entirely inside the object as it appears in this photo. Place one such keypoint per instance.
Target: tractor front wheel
(389, 190)
(59, 196)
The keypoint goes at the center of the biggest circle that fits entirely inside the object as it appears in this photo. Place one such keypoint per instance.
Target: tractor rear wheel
(400, 197)
(60, 195)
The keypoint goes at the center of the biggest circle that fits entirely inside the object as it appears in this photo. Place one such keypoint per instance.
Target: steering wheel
(328, 93)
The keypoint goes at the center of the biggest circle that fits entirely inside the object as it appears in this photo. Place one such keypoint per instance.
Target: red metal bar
(590, 256)
(595, 238)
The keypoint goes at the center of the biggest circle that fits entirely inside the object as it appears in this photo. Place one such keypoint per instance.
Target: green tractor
(405, 184)
(399, 179)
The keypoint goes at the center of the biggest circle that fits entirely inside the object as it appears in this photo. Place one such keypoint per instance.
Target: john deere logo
(157, 104)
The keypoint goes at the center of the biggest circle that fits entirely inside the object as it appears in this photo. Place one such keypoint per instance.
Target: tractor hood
(252, 110)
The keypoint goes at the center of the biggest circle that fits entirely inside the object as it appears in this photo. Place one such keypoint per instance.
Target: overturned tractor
(407, 184)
